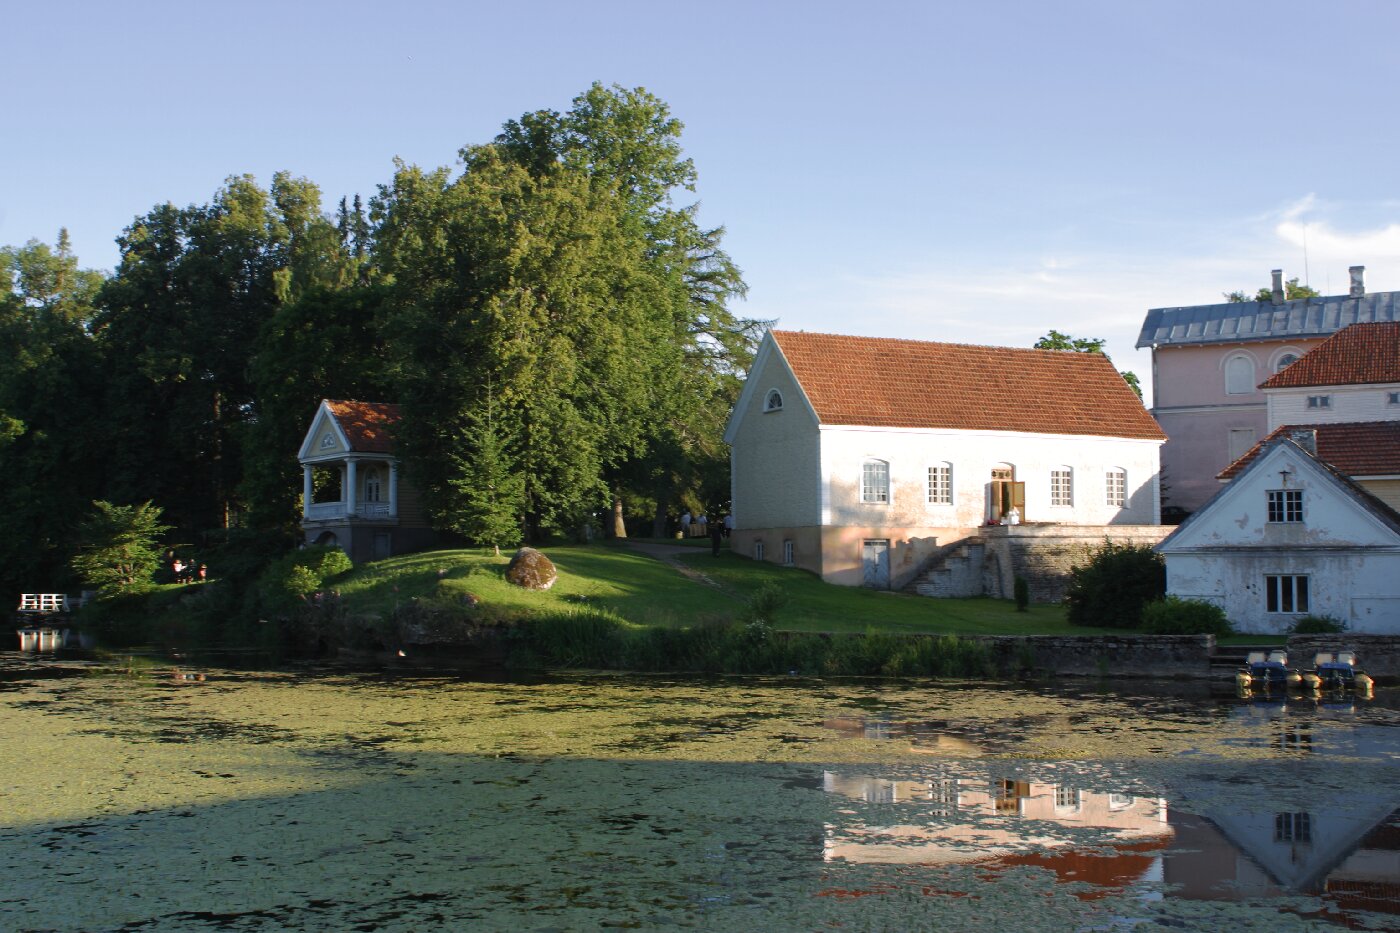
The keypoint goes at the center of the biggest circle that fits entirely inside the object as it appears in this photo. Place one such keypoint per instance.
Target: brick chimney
(1278, 286)
(1358, 287)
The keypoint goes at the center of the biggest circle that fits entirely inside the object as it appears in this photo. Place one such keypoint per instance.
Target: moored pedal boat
(1338, 673)
(1267, 671)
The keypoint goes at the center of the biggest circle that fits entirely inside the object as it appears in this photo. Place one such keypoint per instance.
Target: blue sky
(977, 172)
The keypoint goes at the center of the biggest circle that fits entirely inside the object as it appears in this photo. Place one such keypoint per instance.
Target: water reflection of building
(974, 817)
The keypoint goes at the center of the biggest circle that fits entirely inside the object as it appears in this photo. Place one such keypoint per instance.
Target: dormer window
(773, 401)
(1319, 401)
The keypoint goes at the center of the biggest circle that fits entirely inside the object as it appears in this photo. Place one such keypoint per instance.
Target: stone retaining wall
(1104, 655)
(1377, 655)
(1044, 554)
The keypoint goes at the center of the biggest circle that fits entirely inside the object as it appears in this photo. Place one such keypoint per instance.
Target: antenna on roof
(1306, 278)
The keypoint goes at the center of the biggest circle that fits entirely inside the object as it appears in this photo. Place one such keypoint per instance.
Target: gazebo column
(350, 486)
(393, 489)
(307, 490)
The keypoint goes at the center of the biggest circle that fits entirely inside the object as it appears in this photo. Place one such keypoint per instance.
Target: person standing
(728, 524)
(685, 524)
(703, 522)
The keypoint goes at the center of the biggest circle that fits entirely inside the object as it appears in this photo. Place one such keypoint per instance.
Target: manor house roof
(883, 382)
(1232, 322)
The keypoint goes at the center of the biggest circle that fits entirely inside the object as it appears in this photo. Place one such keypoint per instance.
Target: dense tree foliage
(119, 546)
(555, 325)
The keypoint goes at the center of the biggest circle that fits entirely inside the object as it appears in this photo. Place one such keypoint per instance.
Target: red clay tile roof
(917, 384)
(1355, 448)
(1361, 353)
(367, 425)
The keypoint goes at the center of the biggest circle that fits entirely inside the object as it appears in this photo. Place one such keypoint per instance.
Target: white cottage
(863, 459)
(1291, 535)
(352, 493)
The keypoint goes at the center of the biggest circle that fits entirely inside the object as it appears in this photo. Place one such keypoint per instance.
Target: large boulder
(531, 569)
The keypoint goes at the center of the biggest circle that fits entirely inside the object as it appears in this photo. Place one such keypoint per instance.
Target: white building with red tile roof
(1308, 521)
(862, 459)
(352, 493)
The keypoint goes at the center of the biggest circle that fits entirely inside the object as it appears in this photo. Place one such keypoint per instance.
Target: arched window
(773, 401)
(1285, 360)
(1239, 375)
(875, 481)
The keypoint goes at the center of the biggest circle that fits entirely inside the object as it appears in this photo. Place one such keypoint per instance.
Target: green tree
(120, 546)
(488, 491)
(50, 382)
(179, 324)
(1291, 291)
(1055, 340)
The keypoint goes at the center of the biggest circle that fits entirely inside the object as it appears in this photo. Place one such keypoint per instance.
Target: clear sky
(977, 172)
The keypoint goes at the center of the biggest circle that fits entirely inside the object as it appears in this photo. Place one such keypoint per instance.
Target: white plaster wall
(774, 456)
(1359, 587)
(1349, 403)
(911, 452)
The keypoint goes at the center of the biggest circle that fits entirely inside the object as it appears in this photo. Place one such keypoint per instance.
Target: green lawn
(815, 606)
(647, 591)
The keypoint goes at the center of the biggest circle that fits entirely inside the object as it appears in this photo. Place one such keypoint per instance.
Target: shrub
(1112, 587)
(764, 605)
(1174, 616)
(289, 580)
(1318, 625)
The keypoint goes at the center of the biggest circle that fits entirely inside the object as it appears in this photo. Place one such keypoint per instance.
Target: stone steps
(958, 574)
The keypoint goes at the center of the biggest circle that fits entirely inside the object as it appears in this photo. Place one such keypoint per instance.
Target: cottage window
(1286, 592)
(1066, 798)
(875, 481)
(787, 553)
(1062, 486)
(1116, 488)
(1392, 398)
(774, 401)
(758, 550)
(1239, 375)
(1293, 827)
(373, 486)
(1319, 401)
(940, 484)
(1285, 505)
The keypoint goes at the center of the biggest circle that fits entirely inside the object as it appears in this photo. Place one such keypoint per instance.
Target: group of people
(186, 572)
(700, 526)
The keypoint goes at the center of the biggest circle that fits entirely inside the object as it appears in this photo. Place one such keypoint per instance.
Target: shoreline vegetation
(613, 607)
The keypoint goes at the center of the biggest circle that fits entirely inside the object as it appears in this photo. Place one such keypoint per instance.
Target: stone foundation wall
(1044, 554)
(1377, 655)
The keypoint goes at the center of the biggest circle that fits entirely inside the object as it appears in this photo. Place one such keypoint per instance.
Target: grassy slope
(647, 591)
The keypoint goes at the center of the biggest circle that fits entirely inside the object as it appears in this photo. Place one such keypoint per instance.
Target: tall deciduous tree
(49, 379)
(120, 546)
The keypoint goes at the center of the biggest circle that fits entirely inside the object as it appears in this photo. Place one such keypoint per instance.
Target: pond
(322, 799)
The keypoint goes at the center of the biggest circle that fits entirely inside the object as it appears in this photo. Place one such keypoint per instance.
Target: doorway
(875, 564)
(1004, 493)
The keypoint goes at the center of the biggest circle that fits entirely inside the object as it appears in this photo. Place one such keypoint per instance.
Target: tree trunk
(619, 528)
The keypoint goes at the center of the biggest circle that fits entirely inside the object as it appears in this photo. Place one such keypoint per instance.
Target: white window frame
(1116, 487)
(773, 401)
(374, 485)
(940, 484)
(1392, 398)
(1062, 487)
(788, 552)
(1284, 506)
(1320, 401)
(758, 550)
(1067, 798)
(875, 482)
(1282, 589)
(1289, 354)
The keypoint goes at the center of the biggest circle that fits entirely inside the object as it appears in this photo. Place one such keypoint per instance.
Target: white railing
(43, 602)
(324, 510)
